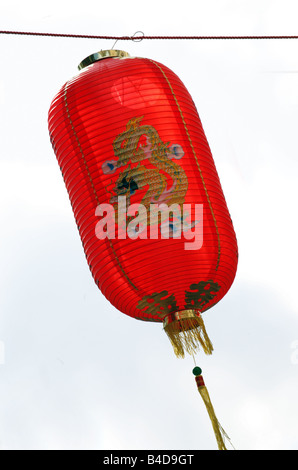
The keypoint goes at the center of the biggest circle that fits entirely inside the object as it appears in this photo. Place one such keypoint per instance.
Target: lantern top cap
(112, 53)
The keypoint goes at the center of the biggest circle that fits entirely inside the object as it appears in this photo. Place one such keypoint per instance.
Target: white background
(74, 372)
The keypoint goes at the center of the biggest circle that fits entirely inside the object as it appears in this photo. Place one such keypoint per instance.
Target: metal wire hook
(114, 43)
(138, 39)
(133, 38)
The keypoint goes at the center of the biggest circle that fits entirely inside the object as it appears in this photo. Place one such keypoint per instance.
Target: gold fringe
(186, 332)
(219, 432)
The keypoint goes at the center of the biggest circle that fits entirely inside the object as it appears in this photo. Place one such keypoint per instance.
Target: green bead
(197, 371)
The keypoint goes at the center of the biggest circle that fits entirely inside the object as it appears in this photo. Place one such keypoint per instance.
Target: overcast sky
(74, 372)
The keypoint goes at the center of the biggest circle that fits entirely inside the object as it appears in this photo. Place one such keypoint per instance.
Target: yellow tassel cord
(219, 432)
(187, 332)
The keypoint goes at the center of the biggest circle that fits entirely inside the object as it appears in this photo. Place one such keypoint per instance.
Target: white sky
(74, 372)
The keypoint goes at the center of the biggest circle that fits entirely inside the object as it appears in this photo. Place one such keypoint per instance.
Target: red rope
(139, 38)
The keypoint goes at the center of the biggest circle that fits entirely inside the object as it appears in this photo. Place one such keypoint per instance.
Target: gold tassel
(219, 432)
(187, 332)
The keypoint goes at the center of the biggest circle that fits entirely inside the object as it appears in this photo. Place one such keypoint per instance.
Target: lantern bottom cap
(107, 54)
(187, 333)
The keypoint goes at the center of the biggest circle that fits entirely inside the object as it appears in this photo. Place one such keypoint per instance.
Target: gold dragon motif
(148, 162)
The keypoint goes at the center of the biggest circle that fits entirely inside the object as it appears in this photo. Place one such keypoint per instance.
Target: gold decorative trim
(196, 159)
(91, 181)
(79, 144)
(186, 332)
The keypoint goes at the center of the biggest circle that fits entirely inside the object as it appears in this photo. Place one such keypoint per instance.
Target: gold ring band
(102, 55)
(181, 315)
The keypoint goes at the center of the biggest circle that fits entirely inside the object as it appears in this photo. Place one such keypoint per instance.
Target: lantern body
(127, 134)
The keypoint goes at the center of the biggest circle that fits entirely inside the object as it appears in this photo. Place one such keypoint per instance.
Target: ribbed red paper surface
(129, 127)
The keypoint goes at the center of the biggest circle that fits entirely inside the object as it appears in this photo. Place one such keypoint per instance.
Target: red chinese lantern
(146, 196)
